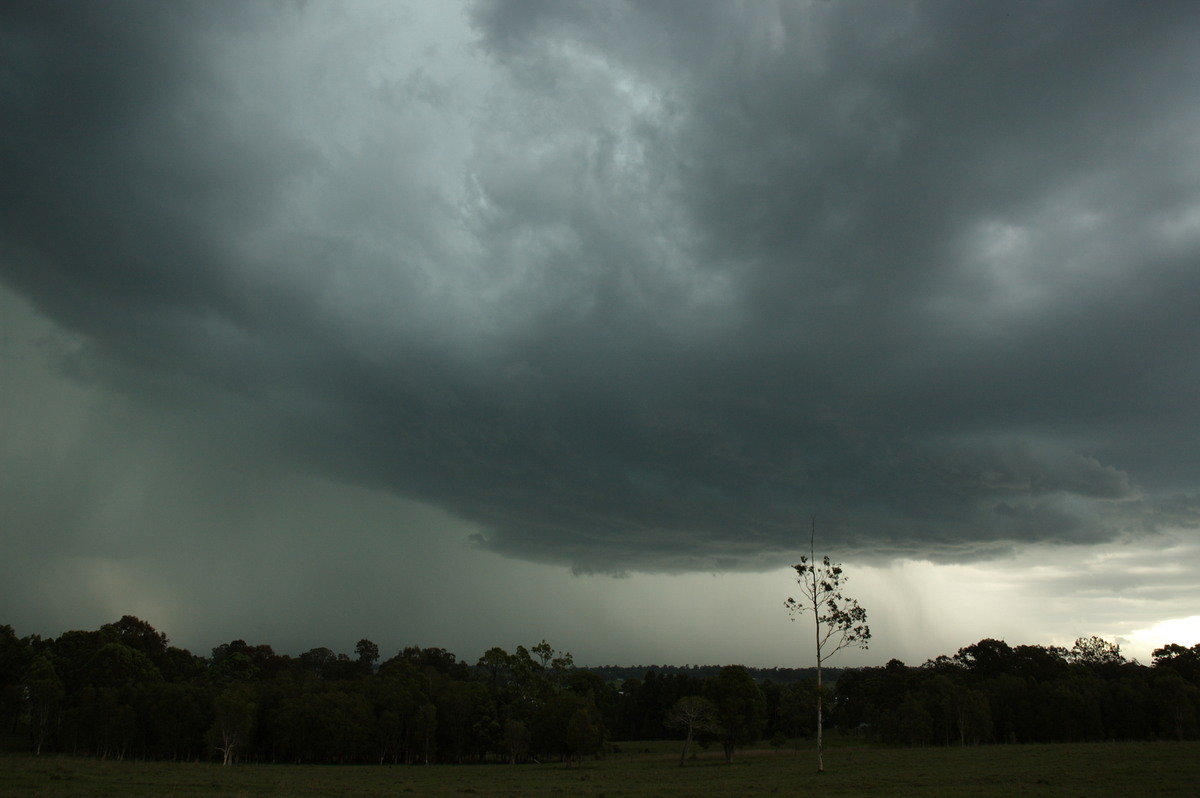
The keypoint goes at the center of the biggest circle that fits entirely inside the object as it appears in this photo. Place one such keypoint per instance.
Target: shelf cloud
(623, 287)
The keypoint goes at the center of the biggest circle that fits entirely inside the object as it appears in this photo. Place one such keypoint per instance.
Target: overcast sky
(475, 324)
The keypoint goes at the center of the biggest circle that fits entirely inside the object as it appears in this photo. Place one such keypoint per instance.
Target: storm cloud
(629, 287)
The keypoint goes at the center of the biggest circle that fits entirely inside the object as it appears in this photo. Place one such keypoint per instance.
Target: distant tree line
(122, 691)
(620, 673)
(991, 692)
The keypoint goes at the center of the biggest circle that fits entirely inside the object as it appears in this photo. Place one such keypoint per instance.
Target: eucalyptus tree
(692, 714)
(838, 621)
(44, 693)
(233, 723)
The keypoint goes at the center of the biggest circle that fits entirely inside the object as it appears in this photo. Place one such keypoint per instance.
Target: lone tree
(839, 621)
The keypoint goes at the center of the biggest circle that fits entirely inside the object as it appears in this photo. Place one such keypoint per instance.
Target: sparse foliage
(838, 621)
(1095, 651)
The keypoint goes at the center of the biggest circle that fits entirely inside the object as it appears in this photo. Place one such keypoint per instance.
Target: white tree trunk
(817, 633)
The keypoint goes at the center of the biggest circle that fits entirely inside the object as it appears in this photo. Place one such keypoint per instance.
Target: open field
(651, 769)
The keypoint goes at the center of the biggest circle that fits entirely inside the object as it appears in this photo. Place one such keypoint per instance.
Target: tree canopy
(124, 691)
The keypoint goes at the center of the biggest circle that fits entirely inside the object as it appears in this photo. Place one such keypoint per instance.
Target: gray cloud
(640, 287)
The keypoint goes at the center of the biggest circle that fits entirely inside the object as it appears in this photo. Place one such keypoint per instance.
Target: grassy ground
(652, 769)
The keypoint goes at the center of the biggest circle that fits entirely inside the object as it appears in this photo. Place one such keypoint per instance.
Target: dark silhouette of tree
(1176, 685)
(140, 636)
(1095, 651)
(123, 691)
(496, 662)
(1184, 661)
(45, 694)
(368, 654)
(741, 708)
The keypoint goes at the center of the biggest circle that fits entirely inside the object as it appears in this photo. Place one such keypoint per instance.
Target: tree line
(991, 692)
(123, 691)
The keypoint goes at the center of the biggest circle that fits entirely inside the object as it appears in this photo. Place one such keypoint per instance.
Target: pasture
(652, 769)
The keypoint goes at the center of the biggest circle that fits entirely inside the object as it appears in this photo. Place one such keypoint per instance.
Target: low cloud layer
(628, 287)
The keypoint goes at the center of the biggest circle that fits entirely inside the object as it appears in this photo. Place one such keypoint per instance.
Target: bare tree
(839, 622)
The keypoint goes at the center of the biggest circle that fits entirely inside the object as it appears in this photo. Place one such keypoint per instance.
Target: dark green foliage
(645, 703)
(694, 716)
(992, 692)
(740, 707)
(123, 692)
(176, 716)
(15, 656)
(1184, 661)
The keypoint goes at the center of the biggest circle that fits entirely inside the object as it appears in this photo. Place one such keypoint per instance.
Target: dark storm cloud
(659, 283)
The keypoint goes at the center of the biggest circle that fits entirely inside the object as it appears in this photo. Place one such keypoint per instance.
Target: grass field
(652, 769)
